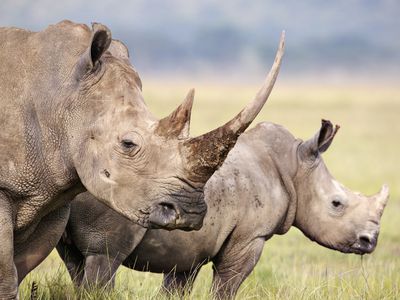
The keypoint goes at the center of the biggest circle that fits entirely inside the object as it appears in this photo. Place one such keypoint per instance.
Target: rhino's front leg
(8, 271)
(233, 264)
(33, 250)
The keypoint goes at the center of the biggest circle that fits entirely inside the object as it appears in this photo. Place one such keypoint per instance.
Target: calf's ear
(321, 141)
(326, 135)
(100, 42)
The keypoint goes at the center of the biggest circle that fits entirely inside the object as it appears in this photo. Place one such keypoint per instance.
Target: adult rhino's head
(328, 212)
(149, 170)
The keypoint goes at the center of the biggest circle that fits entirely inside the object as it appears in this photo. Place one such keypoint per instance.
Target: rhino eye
(128, 144)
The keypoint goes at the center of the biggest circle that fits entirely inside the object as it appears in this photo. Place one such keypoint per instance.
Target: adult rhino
(73, 119)
(269, 182)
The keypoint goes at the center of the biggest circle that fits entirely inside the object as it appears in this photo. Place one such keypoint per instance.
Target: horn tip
(385, 189)
(282, 40)
(190, 95)
(383, 195)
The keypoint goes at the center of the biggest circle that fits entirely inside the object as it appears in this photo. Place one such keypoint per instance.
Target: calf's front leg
(8, 271)
(72, 257)
(100, 270)
(180, 282)
(233, 264)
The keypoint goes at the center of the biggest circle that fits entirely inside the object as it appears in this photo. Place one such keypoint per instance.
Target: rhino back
(245, 198)
(34, 61)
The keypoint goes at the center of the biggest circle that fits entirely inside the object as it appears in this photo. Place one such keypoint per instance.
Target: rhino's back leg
(32, 251)
(8, 271)
(235, 261)
(72, 257)
(180, 282)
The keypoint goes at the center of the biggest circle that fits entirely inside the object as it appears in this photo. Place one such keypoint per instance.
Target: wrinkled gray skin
(269, 182)
(73, 118)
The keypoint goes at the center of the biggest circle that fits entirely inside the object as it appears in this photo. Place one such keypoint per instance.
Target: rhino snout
(365, 243)
(170, 215)
(164, 215)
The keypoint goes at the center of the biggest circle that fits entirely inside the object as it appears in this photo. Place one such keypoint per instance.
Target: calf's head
(149, 170)
(329, 213)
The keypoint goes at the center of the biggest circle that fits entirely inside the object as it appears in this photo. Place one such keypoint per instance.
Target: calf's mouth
(364, 244)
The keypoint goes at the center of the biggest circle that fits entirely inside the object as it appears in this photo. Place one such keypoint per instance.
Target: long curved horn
(177, 124)
(208, 151)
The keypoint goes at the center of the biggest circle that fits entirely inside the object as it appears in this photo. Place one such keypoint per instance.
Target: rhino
(269, 182)
(74, 120)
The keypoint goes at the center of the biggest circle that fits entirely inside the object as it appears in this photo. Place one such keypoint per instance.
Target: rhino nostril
(365, 239)
(167, 206)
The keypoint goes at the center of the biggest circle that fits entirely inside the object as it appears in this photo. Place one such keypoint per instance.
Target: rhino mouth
(164, 215)
(169, 215)
(364, 245)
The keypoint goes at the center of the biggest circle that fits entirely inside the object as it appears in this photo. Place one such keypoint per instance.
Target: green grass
(364, 155)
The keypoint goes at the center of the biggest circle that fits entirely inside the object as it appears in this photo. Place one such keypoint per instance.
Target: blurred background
(344, 39)
(342, 63)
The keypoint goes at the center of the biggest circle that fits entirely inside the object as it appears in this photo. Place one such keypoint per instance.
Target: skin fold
(269, 182)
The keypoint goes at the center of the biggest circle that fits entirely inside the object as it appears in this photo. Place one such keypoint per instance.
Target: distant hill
(353, 36)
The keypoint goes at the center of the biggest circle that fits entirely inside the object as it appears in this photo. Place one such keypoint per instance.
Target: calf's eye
(336, 203)
(128, 144)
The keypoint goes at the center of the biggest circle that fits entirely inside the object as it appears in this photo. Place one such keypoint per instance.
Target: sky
(236, 37)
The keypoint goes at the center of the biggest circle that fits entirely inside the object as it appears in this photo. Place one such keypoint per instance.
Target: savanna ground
(364, 155)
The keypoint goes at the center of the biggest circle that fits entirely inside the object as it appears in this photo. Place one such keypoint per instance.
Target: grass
(364, 155)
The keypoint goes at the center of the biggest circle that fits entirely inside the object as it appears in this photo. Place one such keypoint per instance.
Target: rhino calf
(269, 182)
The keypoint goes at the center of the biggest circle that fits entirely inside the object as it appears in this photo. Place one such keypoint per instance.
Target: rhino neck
(33, 141)
(47, 121)
(44, 162)
(48, 91)
(287, 176)
(277, 156)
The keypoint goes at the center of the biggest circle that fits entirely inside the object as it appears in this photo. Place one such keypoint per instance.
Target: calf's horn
(382, 197)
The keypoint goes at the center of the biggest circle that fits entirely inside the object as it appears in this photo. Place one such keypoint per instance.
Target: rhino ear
(321, 140)
(120, 50)
(326, 135)
(100, 42)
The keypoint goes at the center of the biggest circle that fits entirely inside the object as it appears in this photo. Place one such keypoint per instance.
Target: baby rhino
(269, 182)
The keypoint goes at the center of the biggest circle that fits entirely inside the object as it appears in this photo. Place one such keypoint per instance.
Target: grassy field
(364, 155)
